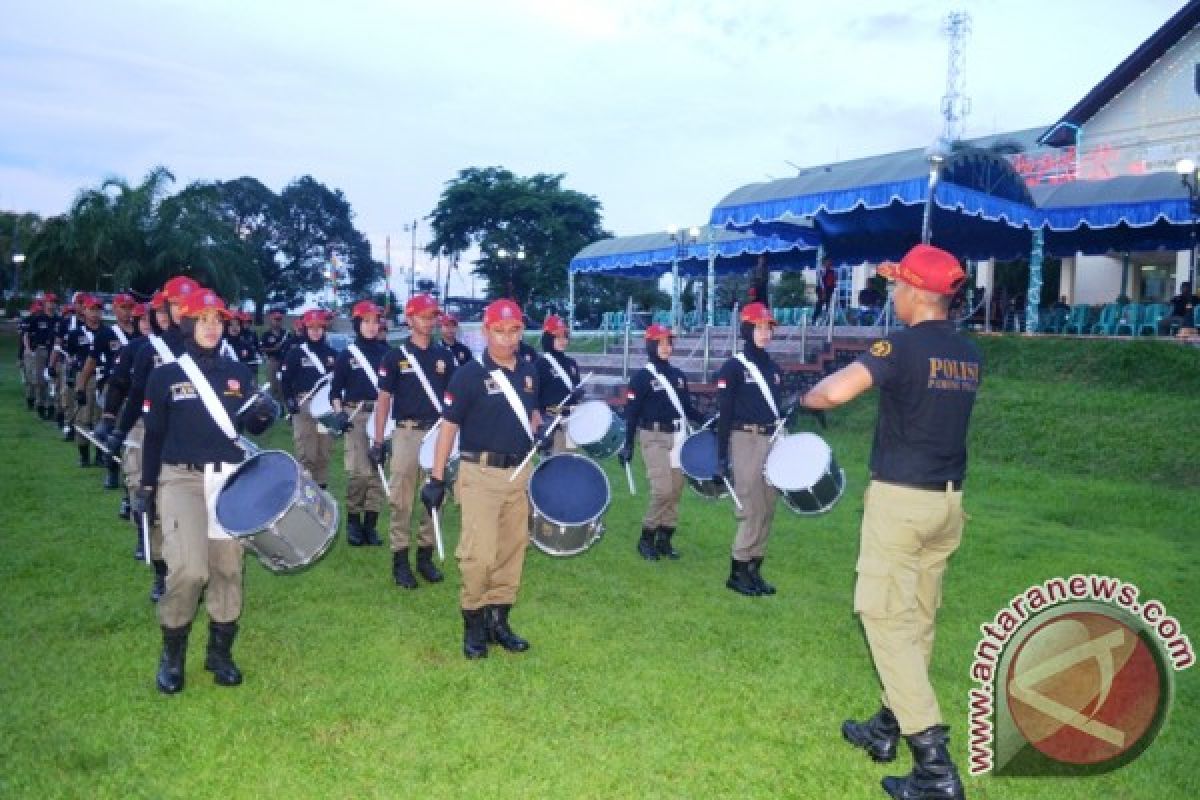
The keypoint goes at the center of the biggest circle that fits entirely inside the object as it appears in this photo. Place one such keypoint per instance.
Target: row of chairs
(1110, 319)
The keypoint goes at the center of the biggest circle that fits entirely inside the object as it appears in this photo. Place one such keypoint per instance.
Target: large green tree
(17, 232)
(501, 215)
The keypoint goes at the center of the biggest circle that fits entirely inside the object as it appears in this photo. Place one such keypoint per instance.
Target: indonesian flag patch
(449, 398)
(145, 406)
(721, 383)
(233, 384)
(630, 395)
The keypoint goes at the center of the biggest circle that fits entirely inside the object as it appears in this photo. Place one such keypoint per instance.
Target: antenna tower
(955, 105)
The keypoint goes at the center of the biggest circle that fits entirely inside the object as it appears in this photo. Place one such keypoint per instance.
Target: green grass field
(644, 680)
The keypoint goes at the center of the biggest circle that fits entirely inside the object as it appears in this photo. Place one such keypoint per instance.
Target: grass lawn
(644, 680)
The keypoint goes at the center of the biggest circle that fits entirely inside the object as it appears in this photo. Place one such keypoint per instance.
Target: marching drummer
(305, 371)
(748, 402)
(449, 327)
(491, 405)
(271, 346)
(558, 378)
(659, 404)
(412, 381)
(352, 394)
(194, 409)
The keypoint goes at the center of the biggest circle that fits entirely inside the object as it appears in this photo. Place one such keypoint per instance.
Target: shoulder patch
(881, 348)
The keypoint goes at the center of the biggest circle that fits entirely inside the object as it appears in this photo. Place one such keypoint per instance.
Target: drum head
(428, 445)
(569, 489)
(258, 491)
(388, 427)
(318, 404)
(797, 461)
(589, 422)
(698, 456)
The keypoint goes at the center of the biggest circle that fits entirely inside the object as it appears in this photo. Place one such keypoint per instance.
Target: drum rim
(247, 543)
(688, 438)
(805, 513)
(578, 414)
(597, 526)
(607, 490)
(275, 519)
(830, 465)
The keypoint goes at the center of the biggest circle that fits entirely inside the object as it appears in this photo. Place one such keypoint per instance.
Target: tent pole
(570, 300)
(1033, 294)
(628, 327)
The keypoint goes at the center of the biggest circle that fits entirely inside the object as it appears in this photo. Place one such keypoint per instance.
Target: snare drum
(594, 427)
(388, 426)
(277, 511)
(568, 495)
(803, 469)
(698, 460)
(425, 455)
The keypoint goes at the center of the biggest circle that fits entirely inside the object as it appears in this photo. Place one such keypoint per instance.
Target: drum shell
(563, 523)
(803, 468)
(698, 461)
(426, 452)
(601, 440)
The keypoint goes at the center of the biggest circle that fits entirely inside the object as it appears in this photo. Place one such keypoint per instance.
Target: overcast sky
(657, 107)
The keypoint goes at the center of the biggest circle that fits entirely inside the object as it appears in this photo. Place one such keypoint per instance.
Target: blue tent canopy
(650, 255)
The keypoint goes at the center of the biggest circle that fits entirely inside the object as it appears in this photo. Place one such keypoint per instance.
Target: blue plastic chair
(1107, 324)
(1127, 320)
(1153, 314)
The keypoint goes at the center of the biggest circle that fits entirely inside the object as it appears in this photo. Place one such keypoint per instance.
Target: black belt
(415, 424)
(365, 405)
(193, 467)
(762, 430)
(658, 427)
(486, 458)
(931, 486)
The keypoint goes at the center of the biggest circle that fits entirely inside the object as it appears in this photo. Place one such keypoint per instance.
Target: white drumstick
(91, 438)
(436, 426)
(732, 493)
(629, 475)
(437, 533)
(382, 477)
(250, 400)
(146, 537)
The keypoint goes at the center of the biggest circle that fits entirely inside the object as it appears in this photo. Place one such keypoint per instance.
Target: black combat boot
(85, 456)
(499, 632)
(171, 663)
(662, 543)
(59, 418)
(646, 546)
(41, 412)
(401, 572)
(756, 576)
(218, 659)
(123, 509)
(475, 633)
(159, 587)
(370, 535)
(878, 736)
(112, 479)
(740, 579)
(933, 775)
(68, 432)
(425, 566)
(354, 530)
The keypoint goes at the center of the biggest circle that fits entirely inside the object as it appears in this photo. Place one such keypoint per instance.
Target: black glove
(625, 454)
(103, 428)
(545, 445)
(377, 454)
(339, 422)
(292, 406)
(81, 397)
(433, 494)
(142, 501)
(114, 441)
(724, 470)
(259, 415)
(575, 397)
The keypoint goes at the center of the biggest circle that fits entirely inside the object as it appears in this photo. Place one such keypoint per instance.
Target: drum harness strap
(209, 398)
(316, 362)
(762, 387)
(366, 367)
(560, 372)
(666, 386)
(227, 350)
(120, 334)
(514, 400)
(416, 367)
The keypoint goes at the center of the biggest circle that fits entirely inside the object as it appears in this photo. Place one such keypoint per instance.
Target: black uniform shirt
(647, 401)
(299, 373)
(551, 389)
(121, 377)
(105, 348)
(78, 342)
(351, 383)
(245, 344)
(144, 362)
(927, 377)
(271, 341)
(476, 403)
(740, 401)
(462, 353)
(179, 429)
(41, 328)
(526, 353)
(398, 378)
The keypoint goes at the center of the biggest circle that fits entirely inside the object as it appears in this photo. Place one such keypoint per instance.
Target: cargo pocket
(882, 590)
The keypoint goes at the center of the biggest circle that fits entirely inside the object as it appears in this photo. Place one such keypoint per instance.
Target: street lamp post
(19, 258)
(682, 240)
(514, 259)
(412, 270)
(1189, 174)
(936, 159)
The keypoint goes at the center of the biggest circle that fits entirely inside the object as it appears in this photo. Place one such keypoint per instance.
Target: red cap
(926, 267)
(90, 301)
(49, 297)
(555, 324)
(35, 306)
(124, 300)
(448, 320)
(179, 287)
(201, 300)
(139, 310)
(69, 308)
(502, 310)
(657, 331)
(756, 313)
(77, 297)
(315, 316)
(420, 304)
(158, 300)
(364, 308)
(298, 324)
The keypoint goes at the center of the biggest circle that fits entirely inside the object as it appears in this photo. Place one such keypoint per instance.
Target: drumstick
(91, 438)
(250, 400)
(545, 435)
(315, 388)
(146, 536)
(732, 493)
(386, 488)
(629, 476)
(432, 430)
(437, 534)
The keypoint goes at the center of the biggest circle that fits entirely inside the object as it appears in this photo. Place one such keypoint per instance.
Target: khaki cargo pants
(907, 537)
(666, 482)
(748, 452)
(404, 479)
(495, 533)
(312, 446)
(364, 490)
(131, 464)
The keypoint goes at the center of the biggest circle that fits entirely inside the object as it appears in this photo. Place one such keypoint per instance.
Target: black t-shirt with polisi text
(927, 376)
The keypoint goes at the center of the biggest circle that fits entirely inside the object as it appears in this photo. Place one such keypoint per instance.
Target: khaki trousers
(405, 477)
(907, 537)
(66, 394)
(35, 375)
(88, 414)
(131, 463)
(312, 447)
(364, 490)
(748, 451)
(495, 533)
(195, 563)
(666, 482)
